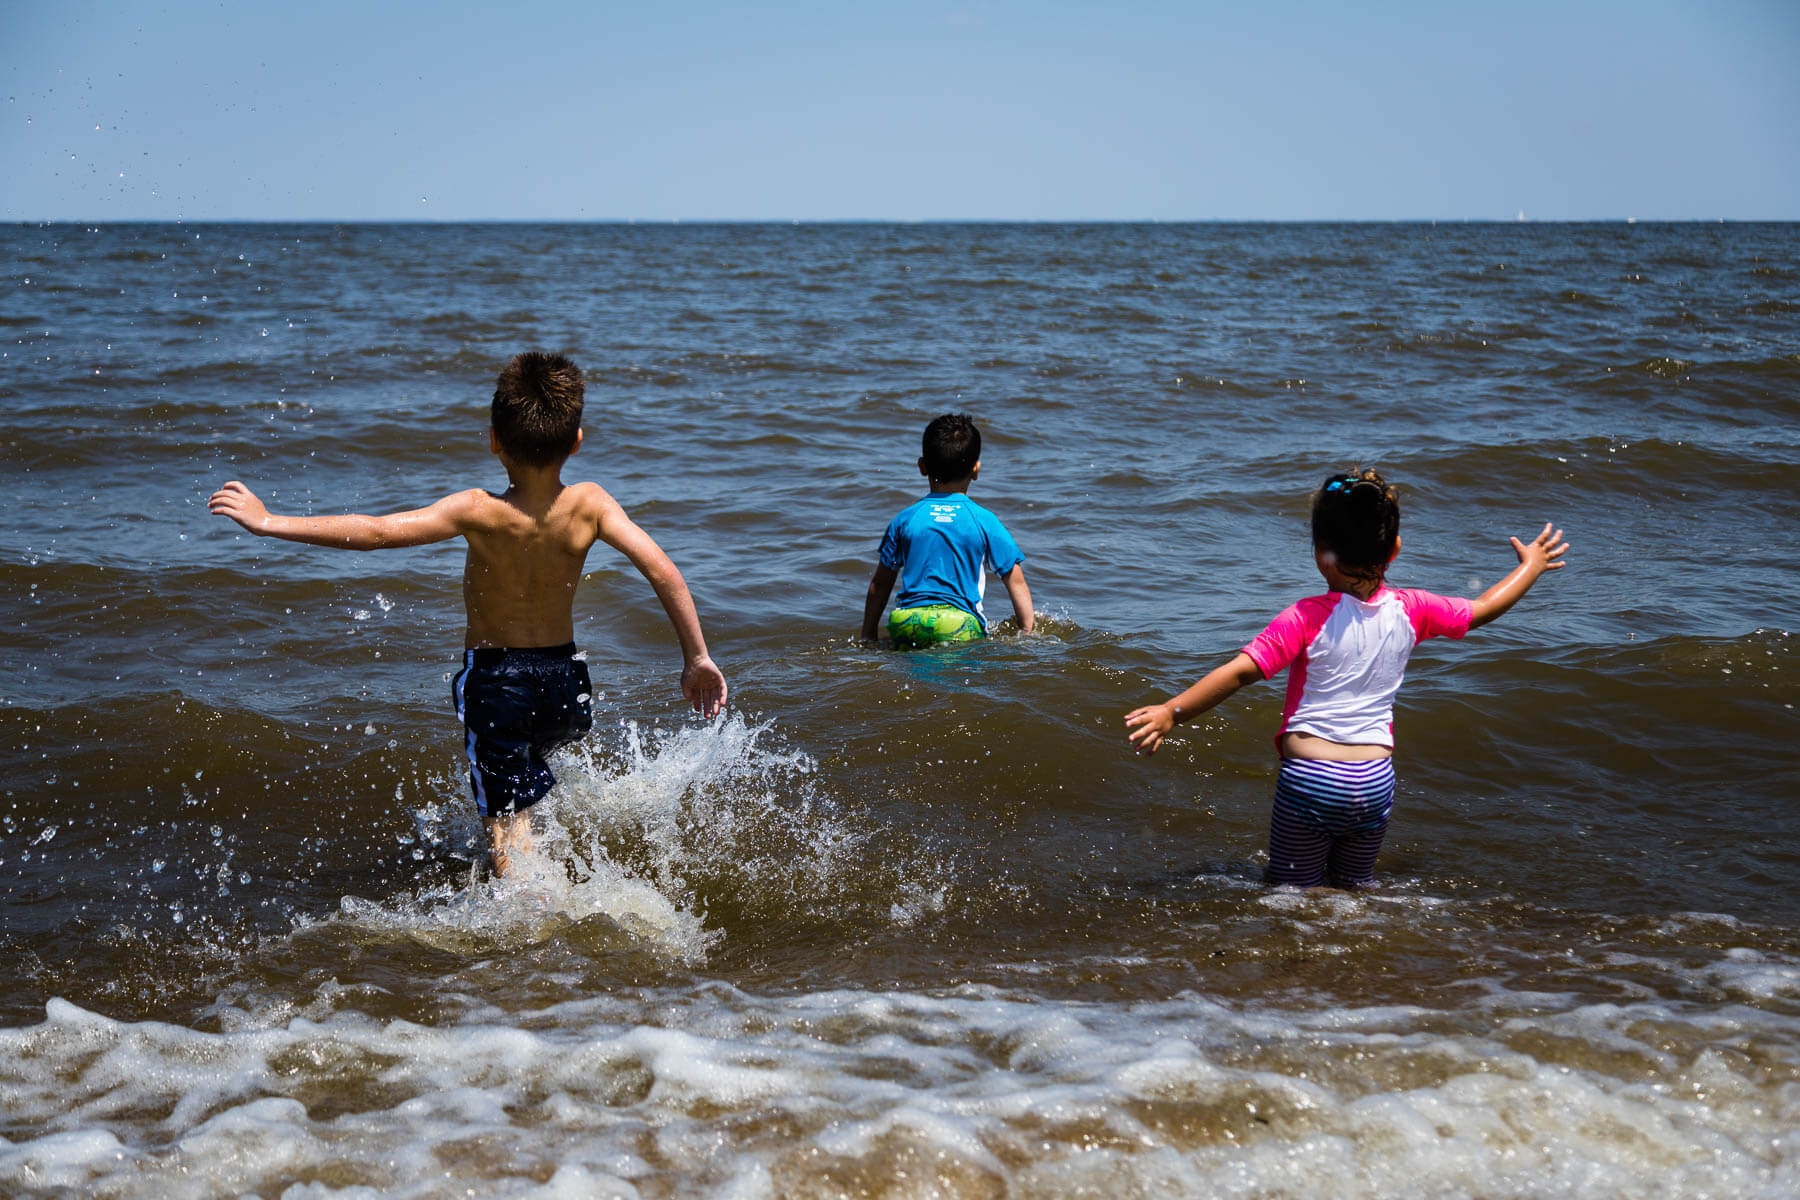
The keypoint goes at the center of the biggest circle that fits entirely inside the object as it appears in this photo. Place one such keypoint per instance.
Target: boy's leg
(516, 707)
(509, 836)
(506, 778)
(564, 715)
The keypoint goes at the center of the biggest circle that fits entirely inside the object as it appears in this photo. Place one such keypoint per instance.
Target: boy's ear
(493, 441)
(577, 445)
(976, 473)
(923, 469)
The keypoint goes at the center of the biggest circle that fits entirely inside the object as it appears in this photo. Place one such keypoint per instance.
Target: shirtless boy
(523, 691)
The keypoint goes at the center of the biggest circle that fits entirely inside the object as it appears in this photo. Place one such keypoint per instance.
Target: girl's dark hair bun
(1356, 516)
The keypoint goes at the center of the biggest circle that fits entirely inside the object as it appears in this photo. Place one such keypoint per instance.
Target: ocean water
(900, 924)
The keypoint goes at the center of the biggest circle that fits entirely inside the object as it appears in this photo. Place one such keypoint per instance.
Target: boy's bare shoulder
(590, 492)
(476, 507)
(592, 500)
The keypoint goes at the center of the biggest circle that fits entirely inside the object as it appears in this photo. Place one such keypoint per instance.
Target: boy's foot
(509, 837)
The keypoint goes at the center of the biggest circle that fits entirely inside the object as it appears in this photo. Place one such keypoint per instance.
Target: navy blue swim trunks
(516, 707)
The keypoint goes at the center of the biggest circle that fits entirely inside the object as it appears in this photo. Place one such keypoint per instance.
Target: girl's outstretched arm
(1543, 553)
(1150, 724)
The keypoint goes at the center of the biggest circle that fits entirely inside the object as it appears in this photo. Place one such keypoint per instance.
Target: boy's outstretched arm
(1020, 592)
(702, 683)
(350, 531)
(1543, 553)
(881, 586)
(1153, 722)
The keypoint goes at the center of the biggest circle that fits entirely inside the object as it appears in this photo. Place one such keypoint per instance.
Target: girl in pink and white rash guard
(1345, 653)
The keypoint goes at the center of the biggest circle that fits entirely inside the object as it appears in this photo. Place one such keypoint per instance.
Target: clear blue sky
(1279, 110)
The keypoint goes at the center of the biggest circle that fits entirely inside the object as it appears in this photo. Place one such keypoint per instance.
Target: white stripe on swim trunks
(481, 802)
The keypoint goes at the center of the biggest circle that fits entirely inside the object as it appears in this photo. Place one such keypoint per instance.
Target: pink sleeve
(1289, 634)
(1436, 616)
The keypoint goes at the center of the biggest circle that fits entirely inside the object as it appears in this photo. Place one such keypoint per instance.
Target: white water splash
(705, 804)
(641, 834)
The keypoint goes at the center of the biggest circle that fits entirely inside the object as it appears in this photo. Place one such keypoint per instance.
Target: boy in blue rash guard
(938, 547)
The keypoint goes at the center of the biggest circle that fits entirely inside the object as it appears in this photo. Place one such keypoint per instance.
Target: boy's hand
(1152, 723)
(704, 686)
(1544, 551)
(238, 502)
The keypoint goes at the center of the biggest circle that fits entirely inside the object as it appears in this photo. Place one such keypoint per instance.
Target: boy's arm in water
(881, 586)
(702, 683)
(1542, 553)
(1153, 722)
(439, 522)
(1020, 592)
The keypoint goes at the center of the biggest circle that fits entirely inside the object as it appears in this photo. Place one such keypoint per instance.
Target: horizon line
(805, 221)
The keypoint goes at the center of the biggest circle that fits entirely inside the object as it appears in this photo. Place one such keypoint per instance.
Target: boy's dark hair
(1356, 516)
(537, 408)
(952, 446)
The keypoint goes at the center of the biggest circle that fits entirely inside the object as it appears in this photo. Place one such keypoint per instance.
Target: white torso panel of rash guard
(1345, 658)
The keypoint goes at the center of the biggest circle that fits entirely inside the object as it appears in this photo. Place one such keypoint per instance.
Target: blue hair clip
(1337, 484)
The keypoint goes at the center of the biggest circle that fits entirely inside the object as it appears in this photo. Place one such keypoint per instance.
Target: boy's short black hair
(537, 408)
(1356, 516)
(952, 446)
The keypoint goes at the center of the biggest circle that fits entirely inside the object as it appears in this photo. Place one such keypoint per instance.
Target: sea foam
(969, 1092)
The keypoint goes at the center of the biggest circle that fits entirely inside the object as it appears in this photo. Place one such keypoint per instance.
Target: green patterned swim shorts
(932, 625)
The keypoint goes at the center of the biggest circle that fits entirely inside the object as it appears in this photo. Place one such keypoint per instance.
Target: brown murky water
(900, 924)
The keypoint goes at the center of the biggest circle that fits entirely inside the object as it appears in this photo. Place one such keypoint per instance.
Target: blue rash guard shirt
(939, 546)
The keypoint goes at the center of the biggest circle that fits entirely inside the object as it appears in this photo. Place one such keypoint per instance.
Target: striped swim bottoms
(1329, 821)
(932, 625)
